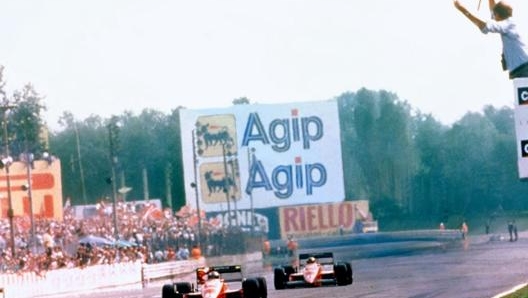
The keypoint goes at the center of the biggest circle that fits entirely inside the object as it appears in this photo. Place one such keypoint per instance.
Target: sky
(102, 57)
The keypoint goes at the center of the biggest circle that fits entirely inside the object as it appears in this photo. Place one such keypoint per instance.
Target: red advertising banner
(321, 219)
(46, 189)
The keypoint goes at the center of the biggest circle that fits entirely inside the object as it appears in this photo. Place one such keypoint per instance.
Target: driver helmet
(201, 273)
(310, 260)
(213, 275)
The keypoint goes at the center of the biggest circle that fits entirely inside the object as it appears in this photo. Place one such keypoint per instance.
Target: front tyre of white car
(279, 278)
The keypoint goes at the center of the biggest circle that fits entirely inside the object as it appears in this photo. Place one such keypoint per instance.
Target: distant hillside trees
(405, 162)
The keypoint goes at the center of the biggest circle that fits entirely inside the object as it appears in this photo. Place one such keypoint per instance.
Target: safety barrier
(168, 270)
(131, 275)
(234, 259)
(70, 280)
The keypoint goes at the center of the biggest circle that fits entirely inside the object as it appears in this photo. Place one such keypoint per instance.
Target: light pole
(226, 187)
(6, 162)
(113, 139)
(251, 157)
(195, 186)
(81, 171)
(27, 187)
(232, 161)
(114, 198)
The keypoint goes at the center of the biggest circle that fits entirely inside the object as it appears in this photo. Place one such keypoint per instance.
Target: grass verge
(518, 293)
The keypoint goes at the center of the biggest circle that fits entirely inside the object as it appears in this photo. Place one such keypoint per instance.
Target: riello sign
(321, 219)
(262, 156)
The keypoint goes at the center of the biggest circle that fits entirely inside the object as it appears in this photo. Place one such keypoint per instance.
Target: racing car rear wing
(226, 269)
(229, 272)
(322, 257)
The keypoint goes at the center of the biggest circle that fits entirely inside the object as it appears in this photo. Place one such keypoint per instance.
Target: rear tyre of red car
(263, 287)
(250, 287)
(289, 270)
(341, 274)
(279, 278)
(350, 274)
(182, 288)
(167, 291)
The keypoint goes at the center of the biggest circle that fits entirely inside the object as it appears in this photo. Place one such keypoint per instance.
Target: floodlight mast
(195, 186)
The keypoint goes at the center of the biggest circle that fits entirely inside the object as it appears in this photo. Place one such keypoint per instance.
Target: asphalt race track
(475, 268)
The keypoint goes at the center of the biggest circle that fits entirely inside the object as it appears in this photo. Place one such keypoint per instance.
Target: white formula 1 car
(218, 282)
(313, 270)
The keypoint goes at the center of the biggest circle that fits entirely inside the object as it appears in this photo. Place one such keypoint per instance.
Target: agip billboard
(261, 156)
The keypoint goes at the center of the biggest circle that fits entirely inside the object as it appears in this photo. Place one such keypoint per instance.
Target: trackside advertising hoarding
(520, 92)
(261, 156)
(321, 219)
(46, 190)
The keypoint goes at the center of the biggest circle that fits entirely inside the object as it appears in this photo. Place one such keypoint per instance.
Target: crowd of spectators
(145, 234)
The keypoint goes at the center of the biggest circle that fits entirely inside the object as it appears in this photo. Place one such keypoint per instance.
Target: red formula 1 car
(218, 282)
(314, 270)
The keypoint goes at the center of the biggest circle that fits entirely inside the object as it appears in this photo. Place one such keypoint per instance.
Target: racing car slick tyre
(250, 287)
(340, 271)
(289, 270)
(167, 291)
(279, 278)
(350, 273)
(263, 287)
(182, 288)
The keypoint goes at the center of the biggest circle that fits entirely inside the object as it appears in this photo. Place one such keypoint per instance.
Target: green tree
(22, 115)
(377, 147)
(174, 132)
(354, 179)
(406, 163)
(147, 142)
(429, 184)
(469, 174)
(86, 159)
(144, 148)
(26, 121)
(506, 187)
(241, 101)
